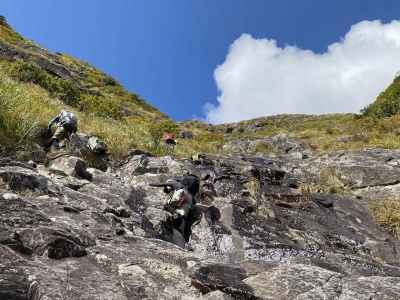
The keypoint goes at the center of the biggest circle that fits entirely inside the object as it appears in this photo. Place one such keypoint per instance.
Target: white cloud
(258, 78)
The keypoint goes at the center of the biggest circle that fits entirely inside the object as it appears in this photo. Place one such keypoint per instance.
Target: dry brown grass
(26, 109)
(387, 214)
(123, 119)
(325, 133)
(329, 183)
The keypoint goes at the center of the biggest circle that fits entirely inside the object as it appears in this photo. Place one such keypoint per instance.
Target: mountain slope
(67, 232)
(35, 84)
(285, 201)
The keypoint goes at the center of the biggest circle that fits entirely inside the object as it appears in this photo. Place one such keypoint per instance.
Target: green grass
(66, 90)
(324, 133)
(30, 96)
(7, 34)
(100, 106)
(329, 182)
(388, 102)
(26, 109)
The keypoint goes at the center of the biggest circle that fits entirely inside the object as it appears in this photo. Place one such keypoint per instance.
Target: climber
(66, 124)
(182, 193)
(169, 139)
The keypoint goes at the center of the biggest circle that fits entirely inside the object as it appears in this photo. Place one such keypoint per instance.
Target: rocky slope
(72, 232)
(284, 216)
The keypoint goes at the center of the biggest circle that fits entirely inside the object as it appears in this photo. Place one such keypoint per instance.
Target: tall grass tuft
(387, 214)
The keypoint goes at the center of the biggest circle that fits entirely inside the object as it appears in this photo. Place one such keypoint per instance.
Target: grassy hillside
(36, 84)
(322, 133)
(388, 102)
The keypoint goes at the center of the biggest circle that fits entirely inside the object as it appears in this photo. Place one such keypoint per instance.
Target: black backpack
(192, 183)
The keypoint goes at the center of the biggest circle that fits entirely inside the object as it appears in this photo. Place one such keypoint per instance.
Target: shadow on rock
(57, 243)
(226, 278)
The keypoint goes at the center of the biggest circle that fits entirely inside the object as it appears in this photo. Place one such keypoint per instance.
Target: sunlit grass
(387, 214)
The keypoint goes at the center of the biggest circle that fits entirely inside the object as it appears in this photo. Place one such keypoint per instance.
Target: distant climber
(96, 151)
(183, 192)
(66, 124)
(170, 139)
(96, 145)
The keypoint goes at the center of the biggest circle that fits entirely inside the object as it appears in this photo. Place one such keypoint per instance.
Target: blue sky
(167, 50)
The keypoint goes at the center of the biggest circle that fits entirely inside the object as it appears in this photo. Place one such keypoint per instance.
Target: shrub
(65, 90)
(105, 108)
(387, 103)
(7, 33)
(107, 80)
(387, 214)
(158, 129)
(330, 180)
(263, 148)
(24, 112)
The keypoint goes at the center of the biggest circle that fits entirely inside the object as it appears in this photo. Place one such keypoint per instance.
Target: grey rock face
(278, 144)
(64, 237)
(70, 166)
(187, 135)
(296, 281)
(372, 174)
(20, 179)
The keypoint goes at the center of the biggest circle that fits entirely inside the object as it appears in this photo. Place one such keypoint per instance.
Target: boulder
(56, 243)
(217, 295)
(226, 278)
(14, 281)
(70, 166)
(21, 179)
(188, 135)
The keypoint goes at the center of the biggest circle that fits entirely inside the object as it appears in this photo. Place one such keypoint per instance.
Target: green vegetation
(26, 109)
(27, 106)
(387, 214)
(31, 94)
(157, 131)
(7, 34)
(20, 122)
(387, 104)
(65, 90)
(329, 182)
(326, 133)
(99, 106)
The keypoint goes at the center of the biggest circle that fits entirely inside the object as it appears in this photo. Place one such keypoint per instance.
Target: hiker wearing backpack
(66, 123)
(181, 204)
(170, 139)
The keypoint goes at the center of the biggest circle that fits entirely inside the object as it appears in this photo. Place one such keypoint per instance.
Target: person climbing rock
(66, 123)
(181, 204)
(96, 151)
(170, 139)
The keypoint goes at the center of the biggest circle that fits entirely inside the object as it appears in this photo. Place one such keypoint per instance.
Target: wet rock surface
(105, 236)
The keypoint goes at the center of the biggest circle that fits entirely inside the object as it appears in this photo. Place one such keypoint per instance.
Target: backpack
(69, 121)
(67, 117)
(96, 145)
(191, 183)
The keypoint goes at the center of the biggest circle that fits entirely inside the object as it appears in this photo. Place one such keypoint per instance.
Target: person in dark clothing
(182, 203)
